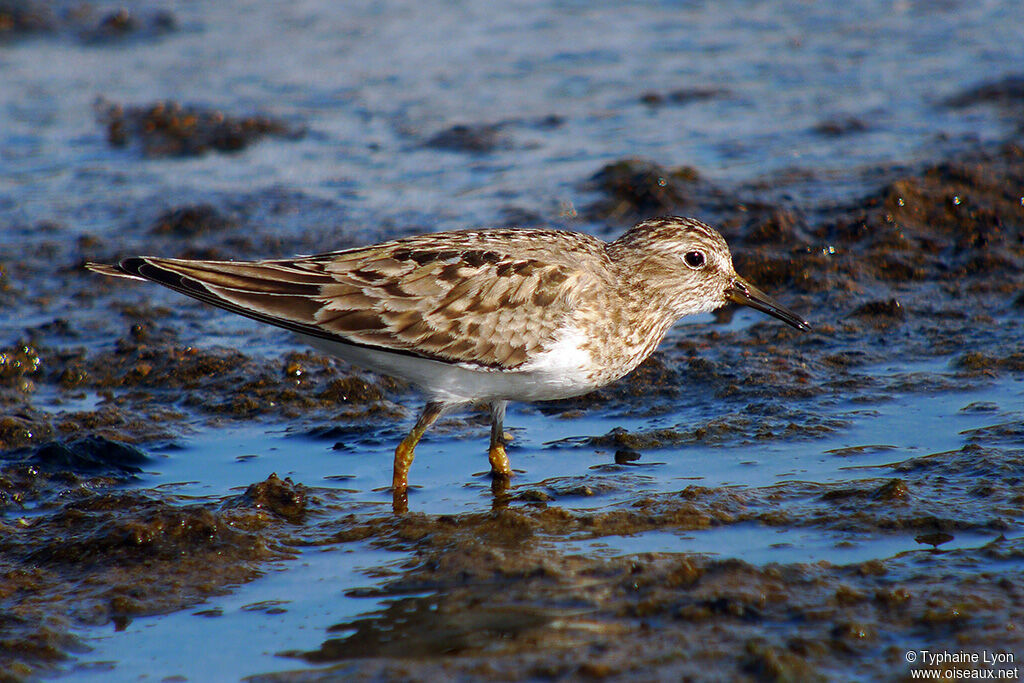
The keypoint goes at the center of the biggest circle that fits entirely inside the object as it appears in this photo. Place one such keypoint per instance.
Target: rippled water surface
(371, 82)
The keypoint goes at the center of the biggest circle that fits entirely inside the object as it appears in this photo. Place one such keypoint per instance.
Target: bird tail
(111, 270)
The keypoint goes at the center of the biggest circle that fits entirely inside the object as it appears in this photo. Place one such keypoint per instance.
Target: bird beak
(742, 292)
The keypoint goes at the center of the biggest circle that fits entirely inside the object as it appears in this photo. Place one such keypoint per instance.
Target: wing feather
(487, 298)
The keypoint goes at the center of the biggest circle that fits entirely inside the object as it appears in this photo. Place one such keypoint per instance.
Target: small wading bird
(481, 315)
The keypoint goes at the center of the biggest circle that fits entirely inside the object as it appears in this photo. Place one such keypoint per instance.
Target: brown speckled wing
(488, 298)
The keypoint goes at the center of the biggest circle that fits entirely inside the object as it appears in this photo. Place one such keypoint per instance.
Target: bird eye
(694, 259)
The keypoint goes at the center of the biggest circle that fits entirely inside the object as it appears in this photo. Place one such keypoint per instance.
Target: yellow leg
(405, 451)
(500, 467)
(500, 495)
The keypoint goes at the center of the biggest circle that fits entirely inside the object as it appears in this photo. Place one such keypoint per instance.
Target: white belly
(560, 372)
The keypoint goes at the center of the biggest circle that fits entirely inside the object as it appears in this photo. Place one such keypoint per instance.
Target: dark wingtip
(132, 265)
(129, 268)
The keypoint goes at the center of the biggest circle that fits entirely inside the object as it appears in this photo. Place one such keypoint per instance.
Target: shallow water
(371, 83)
(289, 608)
(833, 452)
(450, 474)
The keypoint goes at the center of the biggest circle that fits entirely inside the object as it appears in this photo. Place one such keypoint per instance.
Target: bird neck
(641, 301)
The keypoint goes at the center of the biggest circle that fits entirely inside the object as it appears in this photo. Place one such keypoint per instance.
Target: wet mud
(928, 265)
(98, 24)
(682, 96)
(502, 603)
(469, 138)
(487, 138)
(171, 129)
